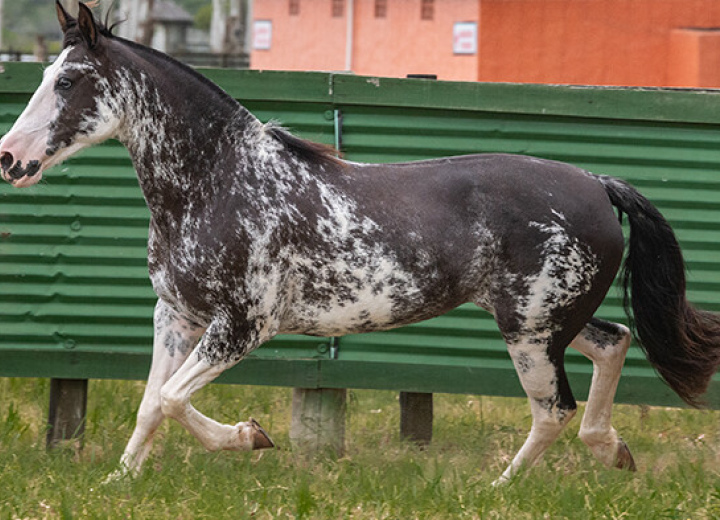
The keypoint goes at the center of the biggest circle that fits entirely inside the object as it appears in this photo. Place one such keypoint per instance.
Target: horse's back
(494, 221)
(503, 192)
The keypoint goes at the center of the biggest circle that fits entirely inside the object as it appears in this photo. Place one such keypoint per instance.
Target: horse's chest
(180, 291)
(192, 278)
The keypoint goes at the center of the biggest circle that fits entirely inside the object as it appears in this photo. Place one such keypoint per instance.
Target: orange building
(601, 42)
(376, 37)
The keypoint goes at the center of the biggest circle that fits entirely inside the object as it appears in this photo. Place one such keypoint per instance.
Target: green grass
(380, 477)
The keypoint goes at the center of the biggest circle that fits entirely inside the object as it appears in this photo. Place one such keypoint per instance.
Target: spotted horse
(255, 232)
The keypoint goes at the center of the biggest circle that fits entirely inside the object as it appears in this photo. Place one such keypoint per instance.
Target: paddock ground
(380, 477)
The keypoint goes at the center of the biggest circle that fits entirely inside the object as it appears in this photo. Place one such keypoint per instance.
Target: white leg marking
(596, 429)
(175, 401)
(539, 380)
(171, 332)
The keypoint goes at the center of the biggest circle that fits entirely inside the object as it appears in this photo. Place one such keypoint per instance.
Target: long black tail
(680, 341)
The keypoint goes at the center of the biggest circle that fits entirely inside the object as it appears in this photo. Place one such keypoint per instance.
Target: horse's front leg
(224, 344)
(174, 339)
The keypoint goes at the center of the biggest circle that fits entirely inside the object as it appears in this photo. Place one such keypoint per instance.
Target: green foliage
(24, 20)
(203, 17)
(193, 6)
(380, 477)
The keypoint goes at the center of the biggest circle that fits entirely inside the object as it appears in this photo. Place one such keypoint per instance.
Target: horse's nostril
(6, 161)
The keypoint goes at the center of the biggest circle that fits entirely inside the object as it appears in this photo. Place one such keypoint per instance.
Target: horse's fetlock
(596, 436)
(213, 445)
(226, 438)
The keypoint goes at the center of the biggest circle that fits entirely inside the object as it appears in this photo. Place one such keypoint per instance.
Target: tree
(138, 24)
(228, 26)
(203, 17)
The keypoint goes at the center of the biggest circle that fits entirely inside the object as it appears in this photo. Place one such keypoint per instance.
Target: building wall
(399, 44)
(600, 42)
(403, 43)
(311, 40)
(603, 42)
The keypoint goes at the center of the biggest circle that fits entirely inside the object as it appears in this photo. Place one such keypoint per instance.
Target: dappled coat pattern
(255, 232)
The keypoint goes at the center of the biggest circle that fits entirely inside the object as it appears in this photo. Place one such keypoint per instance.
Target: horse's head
(70, 110)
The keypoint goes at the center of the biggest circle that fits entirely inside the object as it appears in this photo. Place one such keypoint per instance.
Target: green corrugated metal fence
(75, 301)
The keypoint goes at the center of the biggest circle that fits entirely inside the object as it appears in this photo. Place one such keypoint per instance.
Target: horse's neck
(177, 145)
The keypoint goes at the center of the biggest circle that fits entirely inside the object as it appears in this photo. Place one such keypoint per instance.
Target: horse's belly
(366, 310)
(341, 316)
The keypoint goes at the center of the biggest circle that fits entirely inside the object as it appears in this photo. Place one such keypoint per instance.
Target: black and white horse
(255, 232)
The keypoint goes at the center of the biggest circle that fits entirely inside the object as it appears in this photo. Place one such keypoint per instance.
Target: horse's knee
(172, 404)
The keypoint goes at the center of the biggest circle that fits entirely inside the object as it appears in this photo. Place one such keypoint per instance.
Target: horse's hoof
(117, 475)
(624, 459)
(260, 439)
(501, 481)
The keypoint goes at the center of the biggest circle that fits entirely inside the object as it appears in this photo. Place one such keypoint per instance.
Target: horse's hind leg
(605, 344)
(174, 339)
(538, 362)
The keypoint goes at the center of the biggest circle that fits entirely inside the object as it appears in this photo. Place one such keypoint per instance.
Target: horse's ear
(63, 17)
(87, 25)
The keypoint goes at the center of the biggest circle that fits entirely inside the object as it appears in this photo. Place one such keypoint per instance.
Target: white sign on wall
(262, 35)
(465, 38)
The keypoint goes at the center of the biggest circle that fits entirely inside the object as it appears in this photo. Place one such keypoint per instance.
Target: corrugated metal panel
(74, 295)
(675, 164)
(74, 292)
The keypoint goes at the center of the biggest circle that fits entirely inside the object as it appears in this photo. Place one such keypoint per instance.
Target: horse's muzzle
(13, 171)
(6, 161)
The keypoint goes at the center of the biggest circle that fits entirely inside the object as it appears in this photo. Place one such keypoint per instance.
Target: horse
(256, 232)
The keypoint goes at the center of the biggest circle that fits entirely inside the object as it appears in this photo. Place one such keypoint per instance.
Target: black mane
(303, 148)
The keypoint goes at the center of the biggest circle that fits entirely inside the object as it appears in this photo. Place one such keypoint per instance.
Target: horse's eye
(63, 83)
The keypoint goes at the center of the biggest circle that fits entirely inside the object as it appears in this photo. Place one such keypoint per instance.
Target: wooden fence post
(68, 408)
(416, 417)
(318, 420)
(416, 408)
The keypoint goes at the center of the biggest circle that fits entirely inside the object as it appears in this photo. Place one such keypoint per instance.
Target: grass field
(380, 477)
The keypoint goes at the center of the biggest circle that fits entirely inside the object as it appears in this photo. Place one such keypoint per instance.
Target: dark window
(427, 9)
(338, 8)
(294, 7)
(380, 8)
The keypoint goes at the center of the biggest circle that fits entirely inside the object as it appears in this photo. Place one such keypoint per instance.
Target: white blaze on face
(27, 139)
